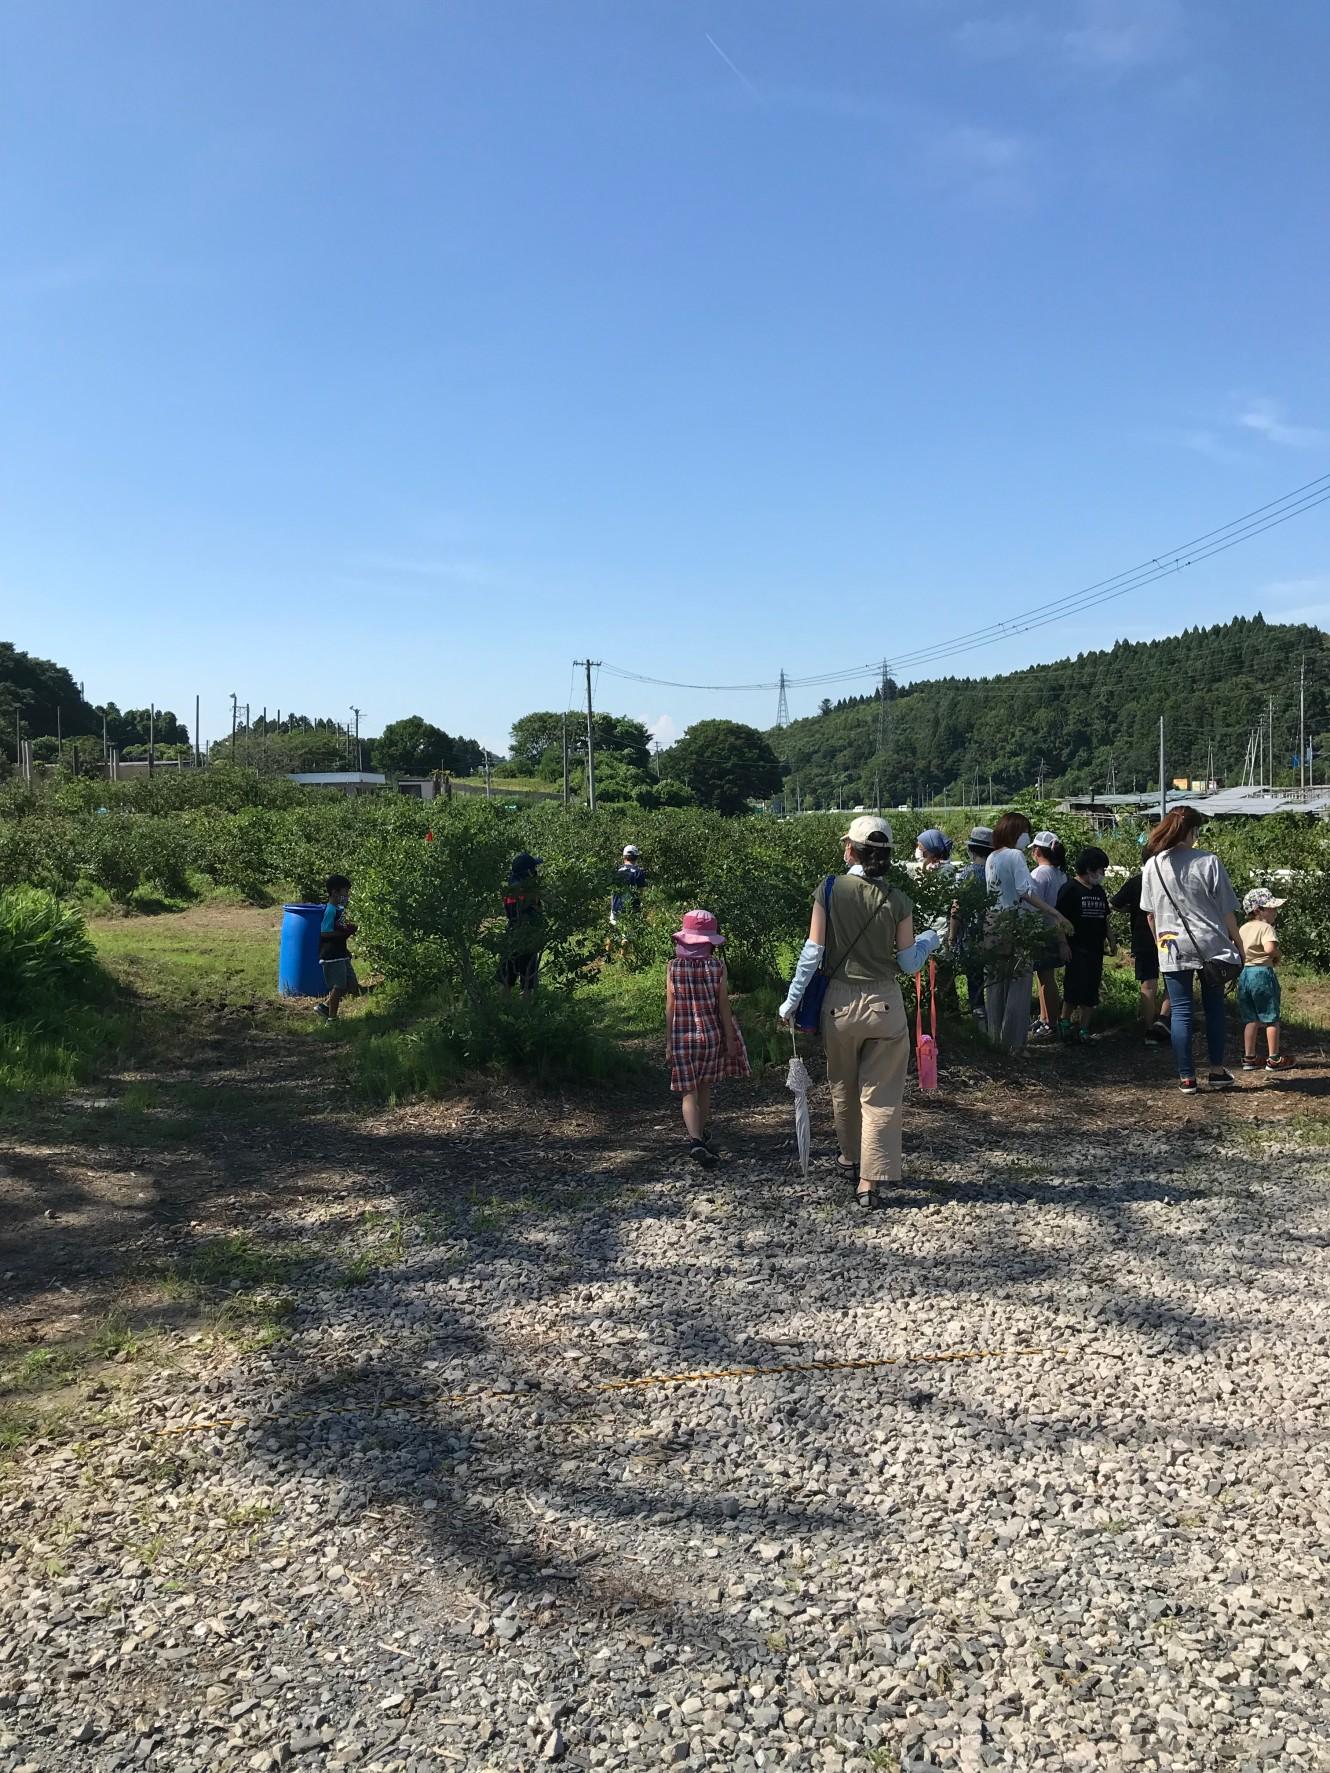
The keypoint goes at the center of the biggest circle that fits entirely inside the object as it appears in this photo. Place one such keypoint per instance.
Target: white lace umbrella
(796, 1081)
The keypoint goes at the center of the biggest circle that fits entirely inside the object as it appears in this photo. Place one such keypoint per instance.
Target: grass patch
(404, 1047)
(202, 963)
(29, 1371)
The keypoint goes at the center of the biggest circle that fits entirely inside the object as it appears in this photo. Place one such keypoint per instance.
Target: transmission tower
(782, 704)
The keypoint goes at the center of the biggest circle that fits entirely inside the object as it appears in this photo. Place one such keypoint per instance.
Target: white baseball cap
(630, 849)
(872, 828)
(1044, 840)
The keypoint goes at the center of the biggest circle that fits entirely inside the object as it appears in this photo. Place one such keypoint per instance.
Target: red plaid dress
(697, 1039)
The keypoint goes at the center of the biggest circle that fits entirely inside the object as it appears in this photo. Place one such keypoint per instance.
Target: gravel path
(1111, 1554)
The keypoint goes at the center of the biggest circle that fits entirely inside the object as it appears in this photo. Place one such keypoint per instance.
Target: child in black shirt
(1084, 903)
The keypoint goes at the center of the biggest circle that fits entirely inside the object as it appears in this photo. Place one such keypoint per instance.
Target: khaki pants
(867, 1041)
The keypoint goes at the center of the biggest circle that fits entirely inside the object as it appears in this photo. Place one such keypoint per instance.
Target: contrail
(736, 71)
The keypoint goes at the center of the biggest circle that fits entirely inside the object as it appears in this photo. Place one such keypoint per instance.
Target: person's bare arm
(817, 924)
(905, 933)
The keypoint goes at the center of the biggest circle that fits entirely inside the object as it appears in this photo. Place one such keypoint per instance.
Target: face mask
(1095, 879)
(919, 856)
(1023, 841)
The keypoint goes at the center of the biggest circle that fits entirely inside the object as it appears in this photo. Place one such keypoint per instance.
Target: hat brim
(1267, 905)
(698, 939)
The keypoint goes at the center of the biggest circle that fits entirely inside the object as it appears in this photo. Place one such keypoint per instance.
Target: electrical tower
(782, 704)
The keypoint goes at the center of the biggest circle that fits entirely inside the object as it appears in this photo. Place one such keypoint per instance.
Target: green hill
(1082, 723)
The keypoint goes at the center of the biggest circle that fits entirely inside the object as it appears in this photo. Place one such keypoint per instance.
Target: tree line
(1082, 724)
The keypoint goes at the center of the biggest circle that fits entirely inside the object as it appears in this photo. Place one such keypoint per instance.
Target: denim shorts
(1258, 995)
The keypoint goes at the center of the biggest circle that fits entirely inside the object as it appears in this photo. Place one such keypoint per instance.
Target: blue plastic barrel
(298, 971)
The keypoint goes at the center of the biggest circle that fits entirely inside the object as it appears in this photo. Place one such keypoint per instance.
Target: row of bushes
(428, 878)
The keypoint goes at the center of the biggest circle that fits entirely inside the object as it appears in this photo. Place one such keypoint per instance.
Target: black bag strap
(868, 923)
(1196, 947)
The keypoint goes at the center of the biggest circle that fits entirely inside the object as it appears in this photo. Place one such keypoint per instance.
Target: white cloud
(1266, 419)
(664, 729)
(1097, 36)
(1206, 442)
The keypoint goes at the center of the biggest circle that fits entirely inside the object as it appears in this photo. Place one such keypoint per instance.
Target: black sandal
(866, 1198)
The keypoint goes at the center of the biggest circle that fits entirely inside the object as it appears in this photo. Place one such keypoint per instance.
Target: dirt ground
(245, 1122)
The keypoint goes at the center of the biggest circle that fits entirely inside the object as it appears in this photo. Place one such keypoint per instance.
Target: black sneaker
(701, 1154)
(1219, 1080)
(1161, 1032)
(1187, 1085)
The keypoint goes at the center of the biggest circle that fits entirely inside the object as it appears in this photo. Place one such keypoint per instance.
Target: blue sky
(398, 353)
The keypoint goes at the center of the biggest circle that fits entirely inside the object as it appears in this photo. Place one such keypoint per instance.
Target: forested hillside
(1088, 722)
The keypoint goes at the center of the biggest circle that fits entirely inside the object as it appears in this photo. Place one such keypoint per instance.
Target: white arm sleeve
(810, 959)
(909, 960)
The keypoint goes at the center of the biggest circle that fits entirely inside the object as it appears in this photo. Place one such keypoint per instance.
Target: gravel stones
(1111, 1554)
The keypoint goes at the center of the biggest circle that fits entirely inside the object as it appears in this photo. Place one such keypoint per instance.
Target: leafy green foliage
(415, 746)
(726, 764)
(45, 953)
(1074, 722)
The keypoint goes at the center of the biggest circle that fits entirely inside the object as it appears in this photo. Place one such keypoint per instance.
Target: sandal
(865, 1198)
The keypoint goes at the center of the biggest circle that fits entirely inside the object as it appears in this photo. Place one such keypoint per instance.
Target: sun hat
(700, 930)
(1044, 840)
(981, 838)
(524, 864)
(871, 828)
(936, 842)
(631, 849)
(1262, 899)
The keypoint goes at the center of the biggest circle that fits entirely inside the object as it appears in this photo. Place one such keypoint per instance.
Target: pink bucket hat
(699, 929)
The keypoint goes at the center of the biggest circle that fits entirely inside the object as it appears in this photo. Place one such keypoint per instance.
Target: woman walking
(1193, 911)
(1047, 878)
(705, 1044)
(1010, 966)
(863, 930)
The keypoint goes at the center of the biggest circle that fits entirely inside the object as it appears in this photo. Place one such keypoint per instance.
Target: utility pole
(105, 747)
(356, 712)
(589, 665)
(198, 753)
(263, 742)
(1163, 785)
(1302, 722)
(59, 738)
(234, 706)
(1272, 744)
(249, 734)
(152, 736)
(487, 772)
(565, 759)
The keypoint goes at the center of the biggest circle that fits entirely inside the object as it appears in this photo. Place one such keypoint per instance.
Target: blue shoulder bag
(808, 1016)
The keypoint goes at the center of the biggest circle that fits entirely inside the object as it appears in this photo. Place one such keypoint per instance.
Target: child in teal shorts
(1258, 982)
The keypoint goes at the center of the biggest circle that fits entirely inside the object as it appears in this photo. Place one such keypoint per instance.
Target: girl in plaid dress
(704, 1041)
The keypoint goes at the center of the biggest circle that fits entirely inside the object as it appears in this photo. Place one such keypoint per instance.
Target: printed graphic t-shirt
(1190, 896)
(1087, 909)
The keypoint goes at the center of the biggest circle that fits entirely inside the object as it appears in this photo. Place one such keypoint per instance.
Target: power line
(1203, 547)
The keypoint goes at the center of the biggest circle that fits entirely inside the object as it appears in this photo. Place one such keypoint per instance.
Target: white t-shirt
(1007, 871)
(1047, 881)
(1191, 897)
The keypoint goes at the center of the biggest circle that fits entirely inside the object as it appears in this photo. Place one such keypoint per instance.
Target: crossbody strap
(1196, 947)
(841, 959)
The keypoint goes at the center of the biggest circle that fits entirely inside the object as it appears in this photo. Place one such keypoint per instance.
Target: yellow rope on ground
(418, 1405)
